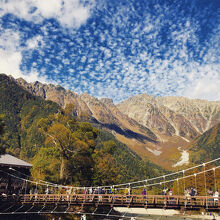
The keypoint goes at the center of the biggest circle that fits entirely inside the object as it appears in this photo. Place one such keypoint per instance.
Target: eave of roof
(9, 160)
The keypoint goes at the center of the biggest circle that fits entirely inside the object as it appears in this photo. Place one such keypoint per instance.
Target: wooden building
(13, 171)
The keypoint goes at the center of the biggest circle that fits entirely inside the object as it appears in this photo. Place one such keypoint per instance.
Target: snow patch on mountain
(184, 159)
(155, 152)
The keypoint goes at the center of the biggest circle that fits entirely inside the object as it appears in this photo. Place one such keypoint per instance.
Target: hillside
(23, 111)
(152, 127)
(131, 166)
(179, 116)
(206, 146)
(202, 114)
(176, 121)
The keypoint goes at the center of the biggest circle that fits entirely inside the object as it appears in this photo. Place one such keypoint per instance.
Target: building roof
(12, 161)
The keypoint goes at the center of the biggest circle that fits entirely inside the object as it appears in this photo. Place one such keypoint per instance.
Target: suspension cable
(153, 184)
(159, 177)
(123, 184)
(135, 182)
(168, 181)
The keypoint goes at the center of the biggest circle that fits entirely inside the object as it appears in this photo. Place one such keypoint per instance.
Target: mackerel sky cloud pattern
(116, 48)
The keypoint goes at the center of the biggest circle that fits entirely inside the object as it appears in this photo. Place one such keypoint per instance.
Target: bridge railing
(121, 200)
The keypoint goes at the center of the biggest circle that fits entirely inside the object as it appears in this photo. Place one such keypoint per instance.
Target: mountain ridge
(26, 116)
(152, 127)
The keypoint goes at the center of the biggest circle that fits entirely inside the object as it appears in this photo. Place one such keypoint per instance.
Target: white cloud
(7, 58)
(9, 40)
(129, 57)
(10, 62)
(206, 84)
(48, 8)
(35, 42)
(11, 57)
(70, 13)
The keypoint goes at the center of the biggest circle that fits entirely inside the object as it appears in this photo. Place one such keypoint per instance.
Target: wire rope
(168, 181)
(153, 184)
(155, 178)
(129, 183)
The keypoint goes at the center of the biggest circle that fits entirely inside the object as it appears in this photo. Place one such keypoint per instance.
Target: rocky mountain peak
(87, 96)
(107, 101)
(202, 114)
(179, 115)
(139, 99)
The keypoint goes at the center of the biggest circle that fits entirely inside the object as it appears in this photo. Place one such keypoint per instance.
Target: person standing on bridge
(110, 191)
(68, 192)
(83, 217)
(164, 192)
(216, 197)
(210, 193)
(192, 194)
(187, 195)
(90, 190)
(144, 192)
(170, 196)
(128, 193)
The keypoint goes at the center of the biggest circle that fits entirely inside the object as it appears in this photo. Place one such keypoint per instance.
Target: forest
(64, 148)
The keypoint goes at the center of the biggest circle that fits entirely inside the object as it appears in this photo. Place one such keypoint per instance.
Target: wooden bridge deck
(114, 200)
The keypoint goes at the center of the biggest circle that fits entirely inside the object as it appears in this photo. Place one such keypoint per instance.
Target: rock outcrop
(179, 116)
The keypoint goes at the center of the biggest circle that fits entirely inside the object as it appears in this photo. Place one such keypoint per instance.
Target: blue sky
(114, 48)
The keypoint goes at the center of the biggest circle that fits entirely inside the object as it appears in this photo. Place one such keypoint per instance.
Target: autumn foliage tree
(106, 170)
(75, 142)
(74, 152)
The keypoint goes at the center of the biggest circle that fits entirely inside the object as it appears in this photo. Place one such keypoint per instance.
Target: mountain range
(24, 138)
(159, 128)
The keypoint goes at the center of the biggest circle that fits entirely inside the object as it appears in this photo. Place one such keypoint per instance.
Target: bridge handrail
(115, 196)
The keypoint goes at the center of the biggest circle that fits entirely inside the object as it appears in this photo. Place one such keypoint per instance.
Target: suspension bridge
(42, 197)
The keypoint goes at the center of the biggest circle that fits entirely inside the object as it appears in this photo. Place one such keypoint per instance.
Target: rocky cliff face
(56, 94)
(179, 116)
(152, 127)
(103, 111)
(202, 114)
